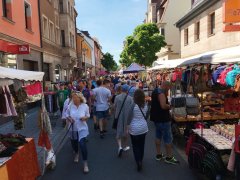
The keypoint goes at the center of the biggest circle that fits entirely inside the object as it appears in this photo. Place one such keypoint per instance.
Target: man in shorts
(160, 115)
(102, 96)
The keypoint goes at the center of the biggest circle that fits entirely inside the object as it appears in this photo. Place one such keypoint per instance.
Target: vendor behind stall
(62, 96)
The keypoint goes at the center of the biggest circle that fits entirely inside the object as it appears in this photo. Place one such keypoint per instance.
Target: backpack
(212, 165)
(231, 76)
(196, 155)
(217, 73)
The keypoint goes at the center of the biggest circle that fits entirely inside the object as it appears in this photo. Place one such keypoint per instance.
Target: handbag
(193, 111)
(181, 111)
(178, 102)
(192, 102)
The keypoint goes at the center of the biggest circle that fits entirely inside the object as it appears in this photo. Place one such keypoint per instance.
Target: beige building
(163, 12)
(68, 16)
(202, 27)
(151, 15)
(167, 16)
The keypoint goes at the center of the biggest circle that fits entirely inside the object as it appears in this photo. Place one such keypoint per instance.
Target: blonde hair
(80, 96)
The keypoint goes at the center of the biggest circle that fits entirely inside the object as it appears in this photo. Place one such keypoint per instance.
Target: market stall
(18, 156)
(205, 99)
(133, 68)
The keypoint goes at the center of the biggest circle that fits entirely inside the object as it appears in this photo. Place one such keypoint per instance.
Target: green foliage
(108, 62)
(142, 46)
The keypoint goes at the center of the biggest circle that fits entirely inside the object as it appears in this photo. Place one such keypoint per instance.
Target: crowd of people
(123, 102)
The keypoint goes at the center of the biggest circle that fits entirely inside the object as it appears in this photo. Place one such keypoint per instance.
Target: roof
(133, 68)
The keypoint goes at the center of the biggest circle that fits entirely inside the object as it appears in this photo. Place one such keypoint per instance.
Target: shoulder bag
(115, 121)
(145, 117)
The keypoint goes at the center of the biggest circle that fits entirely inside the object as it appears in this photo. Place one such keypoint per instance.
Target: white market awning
(8, 73)
(228, 55)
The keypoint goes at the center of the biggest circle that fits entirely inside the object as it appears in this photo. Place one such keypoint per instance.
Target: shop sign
(231, 11)
(23, 49)
(231, 28)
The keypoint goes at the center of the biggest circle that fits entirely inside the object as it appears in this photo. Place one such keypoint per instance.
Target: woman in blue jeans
(137, 126)
(77, 115)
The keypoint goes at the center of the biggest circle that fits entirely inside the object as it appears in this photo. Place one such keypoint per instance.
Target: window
(28, 16)
(45, 27)
(51, 32)
(197, 31)
(69, 8)
(57, 20)
(162, 31)
(63, 38)
(61, 6)
(186, 36)
(57, 35)
(211, 24)
(7, 9)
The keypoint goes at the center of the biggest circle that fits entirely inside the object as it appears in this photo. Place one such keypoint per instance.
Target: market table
(213, 138)
(23, 164)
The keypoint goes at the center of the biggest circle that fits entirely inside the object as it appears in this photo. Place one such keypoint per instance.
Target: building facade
(151, 14)
(51, 40)
(67, 24)
(167, 16)
(98, 55)
(202, 29)
(21, 28)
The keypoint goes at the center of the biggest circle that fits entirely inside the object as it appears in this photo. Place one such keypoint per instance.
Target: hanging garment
(222, 77)
(10, 101)
(19, 120)
(216, 74)
(237, 84)
(33, 89)
(21, 95)
(3, 107)
(231, 76)
(9, 112)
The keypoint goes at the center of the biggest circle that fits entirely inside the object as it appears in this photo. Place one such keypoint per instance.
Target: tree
(142, 46)
(108, 62)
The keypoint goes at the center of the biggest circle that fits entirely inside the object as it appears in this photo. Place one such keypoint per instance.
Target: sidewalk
(31, 130)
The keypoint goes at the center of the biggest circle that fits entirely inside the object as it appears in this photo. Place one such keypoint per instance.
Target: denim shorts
(94, 111)
(102, 114)
(164, 131)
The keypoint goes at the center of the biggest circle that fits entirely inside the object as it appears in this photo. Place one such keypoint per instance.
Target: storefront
(19, 56)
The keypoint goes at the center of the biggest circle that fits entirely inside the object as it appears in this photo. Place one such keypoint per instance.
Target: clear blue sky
(110, 20)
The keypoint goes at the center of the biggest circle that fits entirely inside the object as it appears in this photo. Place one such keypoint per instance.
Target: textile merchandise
(7, 106)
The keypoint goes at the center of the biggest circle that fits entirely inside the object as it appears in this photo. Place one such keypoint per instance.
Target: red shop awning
(11, 48)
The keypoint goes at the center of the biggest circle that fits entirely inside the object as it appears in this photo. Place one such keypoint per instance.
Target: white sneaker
(85, 169)
(76, 158)
(126, 148)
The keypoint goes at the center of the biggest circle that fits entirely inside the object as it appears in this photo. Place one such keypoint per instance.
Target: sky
(110, 21)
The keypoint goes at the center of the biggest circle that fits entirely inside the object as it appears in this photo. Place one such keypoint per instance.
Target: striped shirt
(138, 123)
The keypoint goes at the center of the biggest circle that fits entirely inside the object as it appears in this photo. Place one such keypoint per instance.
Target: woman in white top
(137, 126)
(77, 115)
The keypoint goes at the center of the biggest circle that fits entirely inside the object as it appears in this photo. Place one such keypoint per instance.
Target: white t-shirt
(102, 95)
(76, 114)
